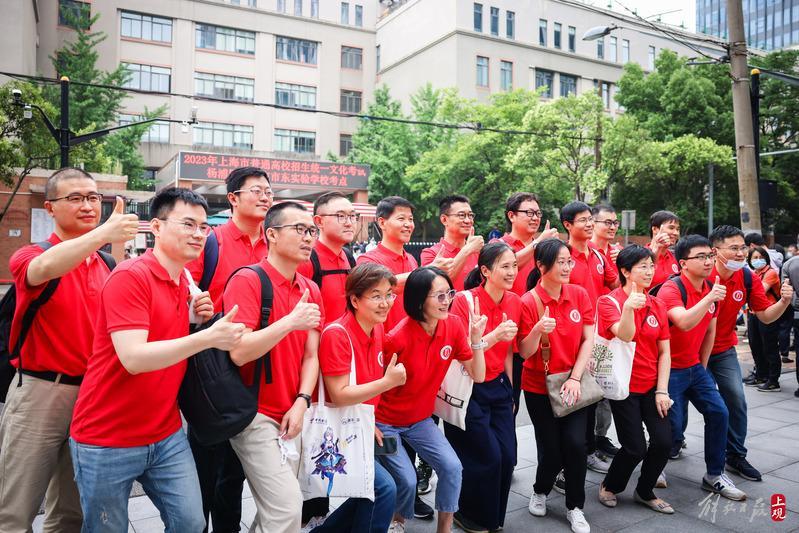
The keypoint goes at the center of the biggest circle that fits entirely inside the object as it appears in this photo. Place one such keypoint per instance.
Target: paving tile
(141, 507)
(148, 525)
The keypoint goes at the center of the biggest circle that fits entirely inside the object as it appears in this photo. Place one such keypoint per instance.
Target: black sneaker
(796, 393)
(423, 473)
(676, 452)
(769, 386)
(740, 466)
(605, 445)
(468, 525)
(786, 358)
(422, 510)
(754, 381)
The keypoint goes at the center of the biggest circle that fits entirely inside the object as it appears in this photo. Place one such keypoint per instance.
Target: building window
(625, 51)
(158, 132)
(603, 89)
(299, 142)
(377, 58)
(225, 39)
(345, 12)
(600, 49)
(510, 24)
(297, 50)
(542, 32)
(344, 145)
(495, 21)
(315, 9)
(281, 6)
(290, 95)
(223, 135)
(612, 55)
(359, 16)
(478, 17)
(543, 78)
(506, 75)
(225, 87)
(148, 78)
(351, 57)
(72, 12)
(568, 85)
(298, 7)
(350, 101)
(557, 29)
(572, 38)
(651, 63)
(482, 71)
(146, 27)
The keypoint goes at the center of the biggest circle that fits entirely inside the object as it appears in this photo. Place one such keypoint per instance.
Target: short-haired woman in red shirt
(764, 338)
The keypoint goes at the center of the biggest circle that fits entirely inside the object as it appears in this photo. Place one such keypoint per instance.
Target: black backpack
(684, 294)
(318, 273)
(8, 306)
(210, 260)
(216, 402)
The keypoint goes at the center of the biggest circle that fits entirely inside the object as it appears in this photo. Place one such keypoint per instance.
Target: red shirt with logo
(116, 408)
(685, 345)
(450, 251)
(589, 272)
(520, 284)
(510, 305)
(235, 250)
(426, 361)
(335, 353)
(333, 291)
(398, 264)
(651, 326)
(571, 311)
(61, 336)
(666, 265)
(244, 290)
(610, 265)
(726, 334)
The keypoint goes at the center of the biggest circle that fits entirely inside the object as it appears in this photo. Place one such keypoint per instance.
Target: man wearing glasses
(34, 428)
(237, 243)
(606, 224)
(292, 337)
(456, 252)
(693, 329)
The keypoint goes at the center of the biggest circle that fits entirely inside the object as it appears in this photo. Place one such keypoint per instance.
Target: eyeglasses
(461, 215)
(443, 297)
(609, 223)
(76, 198)
(644, 268)
(703, 257)
(344, 217)
(735, 249)
(531, 213)
(561, 263)
(301, 229)
(584, 220)
(190, 227)
(378, 298)
(257, 192)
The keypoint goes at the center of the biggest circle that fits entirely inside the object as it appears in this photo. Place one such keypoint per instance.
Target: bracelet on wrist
(305, 397)
(665, 393)
(480, 345)
(574, 379)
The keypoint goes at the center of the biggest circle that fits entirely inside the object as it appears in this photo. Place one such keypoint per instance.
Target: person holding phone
(369, 291)
(664, 226)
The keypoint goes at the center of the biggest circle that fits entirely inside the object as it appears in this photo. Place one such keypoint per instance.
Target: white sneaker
(397, 527)
(538, 504)
(661, 483)
(597, 464)
(724, 486)
(577, 519)
(314, 522)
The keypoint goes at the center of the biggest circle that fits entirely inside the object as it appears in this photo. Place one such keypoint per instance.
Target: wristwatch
(480, 345)
(305, 397)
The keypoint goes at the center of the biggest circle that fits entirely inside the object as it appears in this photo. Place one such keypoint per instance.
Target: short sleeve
(660, 313)
(126, 300)
(611, 276)
(460, 307)
(586, 309)
(529, 315)
(428, 255)
(757, 295)
(607, 315)
(669, 294)
(461, 349)
(315, 296)
(19, 264)
(365, 258)
(772, 279)
(244, 290)
(335, 352)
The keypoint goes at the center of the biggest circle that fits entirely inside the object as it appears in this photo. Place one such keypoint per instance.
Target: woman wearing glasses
(631, 314)
(553, 301)
(487, 448)
(426, 342)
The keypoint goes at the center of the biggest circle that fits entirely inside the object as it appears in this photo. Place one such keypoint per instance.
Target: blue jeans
(695, 384)
(431, 445)
(166, 471)
(726, 371)
(362, 515)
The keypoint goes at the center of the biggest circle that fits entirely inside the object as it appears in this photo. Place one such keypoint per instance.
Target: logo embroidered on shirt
(445, 352)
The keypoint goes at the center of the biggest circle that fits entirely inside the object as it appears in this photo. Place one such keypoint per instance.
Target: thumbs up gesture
(637, 298)
(225, 333)
(305, 315)
(548, 233)
(718, 292)
(474, 243)
(442, 262)
(119, 227)
(786, 290)
(506, 330)
(546, 324)
(395, 373)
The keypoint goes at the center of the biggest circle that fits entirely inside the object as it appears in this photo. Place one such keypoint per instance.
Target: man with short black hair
(664, 228)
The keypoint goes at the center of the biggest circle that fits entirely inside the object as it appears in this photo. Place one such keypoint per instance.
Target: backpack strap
(747, 282)
(681, 286)
(318, 273)
(267, 295)
(108, 259)
(350, 257)
(210, 260)
(600, 256)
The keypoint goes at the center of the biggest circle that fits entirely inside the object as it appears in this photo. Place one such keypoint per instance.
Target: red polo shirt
(520, 284)
(426, 361)
(118, 409)
(60, 338)
(685, 344)
(726, 334)
(589, 272)
(398, 264)
(651, 326)
(333, 291)
(609, 264)
(244, 290)
(571, 311)
(450, 251)
(666, 265)
(510, 304)
(235, 251)
(335, 354)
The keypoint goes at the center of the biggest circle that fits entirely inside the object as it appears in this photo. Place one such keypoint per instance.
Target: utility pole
(745, 148)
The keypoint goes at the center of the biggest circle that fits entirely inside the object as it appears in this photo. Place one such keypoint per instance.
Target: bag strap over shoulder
(546, 348)
(353, 377)
(210, 260)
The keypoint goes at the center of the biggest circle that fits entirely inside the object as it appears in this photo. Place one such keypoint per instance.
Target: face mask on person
(735, 266)
(757, 264)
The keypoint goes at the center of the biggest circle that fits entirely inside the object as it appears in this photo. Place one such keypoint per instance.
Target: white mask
(735, 266)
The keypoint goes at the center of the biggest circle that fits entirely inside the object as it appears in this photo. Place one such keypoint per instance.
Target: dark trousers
(629, 415)
(221, 484)
(785, 326)
(590, 423)
(561, 446)
(763, 340)
(315, 507)
(487, 450)
(518, 363)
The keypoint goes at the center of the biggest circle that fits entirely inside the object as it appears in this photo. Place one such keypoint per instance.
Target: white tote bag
(453, 396)
(611, 362)
(338, 447)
